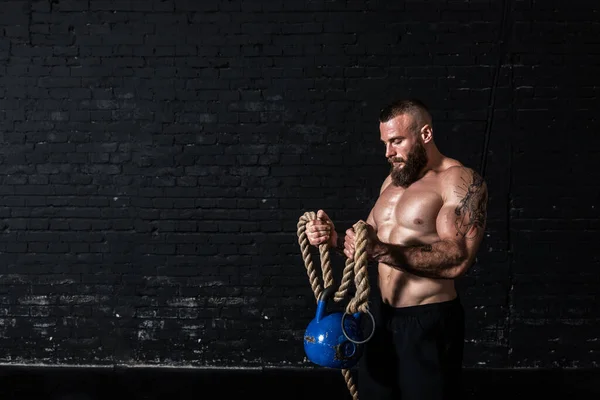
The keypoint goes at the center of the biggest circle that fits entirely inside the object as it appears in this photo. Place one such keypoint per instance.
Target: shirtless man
(423, 232)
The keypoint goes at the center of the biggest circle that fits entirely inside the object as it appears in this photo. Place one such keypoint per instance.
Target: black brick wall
(156, 157)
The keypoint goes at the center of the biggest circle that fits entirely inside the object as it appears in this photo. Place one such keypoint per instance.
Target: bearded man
(424, 232)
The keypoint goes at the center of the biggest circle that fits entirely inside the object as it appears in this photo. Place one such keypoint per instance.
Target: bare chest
(402, 213)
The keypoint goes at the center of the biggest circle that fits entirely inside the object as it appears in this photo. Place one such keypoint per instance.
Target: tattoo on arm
(471, 213)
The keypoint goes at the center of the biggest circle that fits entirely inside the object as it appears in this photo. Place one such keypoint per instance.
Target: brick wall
(156, 157)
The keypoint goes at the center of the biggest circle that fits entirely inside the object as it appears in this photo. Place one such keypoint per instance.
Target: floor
(153, 384)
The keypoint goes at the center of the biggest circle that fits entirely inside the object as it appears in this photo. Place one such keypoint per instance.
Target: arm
(460, 226)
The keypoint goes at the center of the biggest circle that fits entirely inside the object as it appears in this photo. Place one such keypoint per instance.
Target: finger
(315, 234)
(347, 244)
(319, 234)
(317, 240)
(322, 225)
(322, 215)
(320, 230)
(310, 227)
(320, 237)
(320, 240)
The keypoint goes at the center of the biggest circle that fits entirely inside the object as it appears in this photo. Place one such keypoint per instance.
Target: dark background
(156, 157)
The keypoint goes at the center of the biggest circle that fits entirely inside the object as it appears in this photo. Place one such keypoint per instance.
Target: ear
(426, 133)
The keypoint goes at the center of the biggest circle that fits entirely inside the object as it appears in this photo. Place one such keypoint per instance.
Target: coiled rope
(356, 267)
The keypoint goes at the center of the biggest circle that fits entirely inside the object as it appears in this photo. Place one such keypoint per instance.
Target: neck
(435, 160)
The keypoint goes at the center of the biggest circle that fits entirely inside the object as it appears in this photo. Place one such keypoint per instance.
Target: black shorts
(415, 353)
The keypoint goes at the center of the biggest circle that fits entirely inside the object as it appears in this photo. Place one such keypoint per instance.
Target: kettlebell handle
(322, 303)
(327, 293)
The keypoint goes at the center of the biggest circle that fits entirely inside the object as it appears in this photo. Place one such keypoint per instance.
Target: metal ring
(355, 341)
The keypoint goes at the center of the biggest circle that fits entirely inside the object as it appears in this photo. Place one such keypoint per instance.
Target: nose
(389, 151)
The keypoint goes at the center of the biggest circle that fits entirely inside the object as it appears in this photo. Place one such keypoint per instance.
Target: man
(424, 232)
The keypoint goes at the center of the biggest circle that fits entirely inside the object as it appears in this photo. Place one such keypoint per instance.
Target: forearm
(338, 243)
(439, 260)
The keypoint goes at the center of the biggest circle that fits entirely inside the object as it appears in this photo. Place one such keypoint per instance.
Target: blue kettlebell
(334, 340)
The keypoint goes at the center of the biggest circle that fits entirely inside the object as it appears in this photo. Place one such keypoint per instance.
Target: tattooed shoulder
(471, 211)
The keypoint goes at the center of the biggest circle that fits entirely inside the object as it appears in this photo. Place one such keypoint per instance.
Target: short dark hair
(406, 106)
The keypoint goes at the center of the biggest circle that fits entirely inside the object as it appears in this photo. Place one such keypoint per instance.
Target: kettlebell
(334, 340)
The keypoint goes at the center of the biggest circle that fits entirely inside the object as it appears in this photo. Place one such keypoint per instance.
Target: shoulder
(385, 183)
(456, 173)
(459, 181)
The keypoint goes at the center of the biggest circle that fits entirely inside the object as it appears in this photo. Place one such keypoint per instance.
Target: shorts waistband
(421, 308)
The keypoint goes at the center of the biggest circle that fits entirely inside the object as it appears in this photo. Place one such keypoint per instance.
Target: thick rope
(360, 301)
(305, 248)
(346, 279)
(350, 383)
(356, 267)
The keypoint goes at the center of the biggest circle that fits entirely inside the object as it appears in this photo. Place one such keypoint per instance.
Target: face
(404, 150)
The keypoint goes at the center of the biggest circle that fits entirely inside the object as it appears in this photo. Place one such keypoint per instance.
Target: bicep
(459, 246)
(462, 219)
(455, 226)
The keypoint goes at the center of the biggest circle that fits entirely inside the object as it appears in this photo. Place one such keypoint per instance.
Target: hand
(321, 230)
(372, 242)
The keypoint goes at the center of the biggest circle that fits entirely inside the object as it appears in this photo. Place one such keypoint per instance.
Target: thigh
(377, 365)
(429, 351)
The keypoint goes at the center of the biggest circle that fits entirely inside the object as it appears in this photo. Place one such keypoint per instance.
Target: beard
(413, 165)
